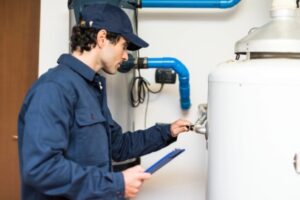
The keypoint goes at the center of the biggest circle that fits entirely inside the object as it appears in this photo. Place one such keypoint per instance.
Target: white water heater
(254, 115)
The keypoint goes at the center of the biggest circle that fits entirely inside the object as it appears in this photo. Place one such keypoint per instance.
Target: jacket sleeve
(43, 143)
(134, 144)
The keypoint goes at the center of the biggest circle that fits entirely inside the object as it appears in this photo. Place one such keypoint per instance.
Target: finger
(145, 176)
(138, 168)
(178, 130)
(182, 123)
(182, 128)
(133, 193)
(186, 123)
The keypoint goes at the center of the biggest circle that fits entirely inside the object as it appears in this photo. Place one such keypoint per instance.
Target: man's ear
(101, 38)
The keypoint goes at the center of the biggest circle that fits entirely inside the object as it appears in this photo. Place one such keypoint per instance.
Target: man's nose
(125, 55)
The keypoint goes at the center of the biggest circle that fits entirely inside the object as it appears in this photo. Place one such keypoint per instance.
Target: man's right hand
(133, 178)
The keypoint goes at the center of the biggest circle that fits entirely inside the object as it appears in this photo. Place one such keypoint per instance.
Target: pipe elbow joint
(183, 74)
(228, 3)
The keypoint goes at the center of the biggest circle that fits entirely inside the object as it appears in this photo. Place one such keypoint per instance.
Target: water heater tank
(254, 117)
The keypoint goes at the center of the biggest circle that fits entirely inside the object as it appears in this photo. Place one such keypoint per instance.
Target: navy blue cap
(113, 19)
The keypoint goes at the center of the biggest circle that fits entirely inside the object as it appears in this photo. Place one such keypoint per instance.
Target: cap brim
(135, 42)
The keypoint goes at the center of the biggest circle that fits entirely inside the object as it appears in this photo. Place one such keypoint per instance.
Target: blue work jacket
(67, 137)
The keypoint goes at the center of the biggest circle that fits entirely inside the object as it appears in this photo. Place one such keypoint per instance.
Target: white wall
(54, 32)
(201, 39)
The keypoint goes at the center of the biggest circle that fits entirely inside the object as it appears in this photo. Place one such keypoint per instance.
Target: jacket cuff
(120, 185)
(165, 130)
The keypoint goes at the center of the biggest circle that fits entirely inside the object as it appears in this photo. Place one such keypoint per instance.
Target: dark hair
(85, 38)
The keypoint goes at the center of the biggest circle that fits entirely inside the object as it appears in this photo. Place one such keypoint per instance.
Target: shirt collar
(77, 66)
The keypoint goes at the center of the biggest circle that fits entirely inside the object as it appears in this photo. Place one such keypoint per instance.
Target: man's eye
(126, 45)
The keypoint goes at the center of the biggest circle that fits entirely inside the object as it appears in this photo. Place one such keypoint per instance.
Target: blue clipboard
(164, 160)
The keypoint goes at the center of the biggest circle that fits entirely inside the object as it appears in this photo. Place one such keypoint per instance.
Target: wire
(139, 88)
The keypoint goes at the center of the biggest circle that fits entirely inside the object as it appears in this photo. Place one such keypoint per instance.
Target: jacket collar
(77, 66)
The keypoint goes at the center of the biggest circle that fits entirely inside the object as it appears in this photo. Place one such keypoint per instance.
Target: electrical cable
(139, 88)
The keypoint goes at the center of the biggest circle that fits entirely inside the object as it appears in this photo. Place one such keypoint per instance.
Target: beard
(110, 71)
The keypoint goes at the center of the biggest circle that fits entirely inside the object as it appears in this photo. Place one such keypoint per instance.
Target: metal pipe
(188, 3)
(183, 73)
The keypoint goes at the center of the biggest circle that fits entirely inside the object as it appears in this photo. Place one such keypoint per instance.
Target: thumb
(145, 176)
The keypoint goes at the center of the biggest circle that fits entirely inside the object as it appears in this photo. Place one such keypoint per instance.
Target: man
(67, 137)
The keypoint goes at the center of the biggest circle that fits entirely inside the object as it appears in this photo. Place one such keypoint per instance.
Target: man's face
(113, 55)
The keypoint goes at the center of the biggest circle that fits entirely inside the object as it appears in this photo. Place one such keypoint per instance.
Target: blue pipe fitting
(228, 3)
(189, 3)
(183, 74)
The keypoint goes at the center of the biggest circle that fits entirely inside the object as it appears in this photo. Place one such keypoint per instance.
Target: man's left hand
(179, 126)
